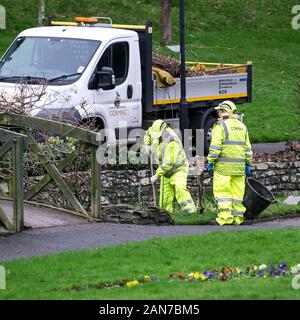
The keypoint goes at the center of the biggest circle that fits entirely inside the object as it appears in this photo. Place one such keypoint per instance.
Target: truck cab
(73, 61)
(103, 72)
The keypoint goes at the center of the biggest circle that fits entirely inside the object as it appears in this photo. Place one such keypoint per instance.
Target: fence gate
(14, 142)
(16, 136)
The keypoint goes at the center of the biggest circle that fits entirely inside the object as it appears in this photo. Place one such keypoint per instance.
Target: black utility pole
(183, 106)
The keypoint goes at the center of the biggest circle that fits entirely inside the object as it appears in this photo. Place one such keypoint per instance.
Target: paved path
(41, 216)
(43, 241)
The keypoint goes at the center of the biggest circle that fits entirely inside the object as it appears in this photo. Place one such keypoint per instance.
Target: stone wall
(134, 186)
(279, 177)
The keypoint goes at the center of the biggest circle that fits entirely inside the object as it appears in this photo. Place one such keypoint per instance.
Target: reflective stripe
(237, 213)
(234, 143)
(214, 155)
(237, 201)
(230, 160)
(163, 149)
(224, 199)
(190, 209)
(229, 200)
(233, 212)
(174, 165)
(248, 149)
(179, 164)
(184, 203)
(171, 164)
(170, 138)
(215, 147)
(164, 169)
(223, 124)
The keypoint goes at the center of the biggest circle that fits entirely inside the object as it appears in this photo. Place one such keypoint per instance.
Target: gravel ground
(44, 241)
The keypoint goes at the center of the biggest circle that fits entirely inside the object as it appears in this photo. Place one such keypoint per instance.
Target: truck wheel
(94, 124)
(209, 123)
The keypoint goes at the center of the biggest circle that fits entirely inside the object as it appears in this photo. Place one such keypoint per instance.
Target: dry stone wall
(134, 188)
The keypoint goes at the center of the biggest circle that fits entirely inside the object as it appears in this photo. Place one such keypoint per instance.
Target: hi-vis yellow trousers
(176, 186)
(229, 193)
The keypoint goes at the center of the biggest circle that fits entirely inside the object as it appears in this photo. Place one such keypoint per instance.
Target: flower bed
(227, 273)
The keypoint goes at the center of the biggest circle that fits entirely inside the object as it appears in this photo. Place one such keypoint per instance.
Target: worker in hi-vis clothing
(230, 157)
(172, 168)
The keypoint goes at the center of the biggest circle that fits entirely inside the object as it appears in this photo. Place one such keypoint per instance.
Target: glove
(248, 170)
(210, 166)
(153, 179)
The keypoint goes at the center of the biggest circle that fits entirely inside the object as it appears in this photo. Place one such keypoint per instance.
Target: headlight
(61, 96)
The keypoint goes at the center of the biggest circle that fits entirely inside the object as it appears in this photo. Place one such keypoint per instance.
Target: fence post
(95, 184)
(18, 187)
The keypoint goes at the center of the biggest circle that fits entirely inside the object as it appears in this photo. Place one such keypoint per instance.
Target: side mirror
(106, 78)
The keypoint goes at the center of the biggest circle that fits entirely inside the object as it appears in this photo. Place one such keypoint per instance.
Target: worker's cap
(226, 105)
(158, 127)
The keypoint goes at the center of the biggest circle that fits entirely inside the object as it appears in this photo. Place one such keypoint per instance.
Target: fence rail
(14, 142)
(18, 142)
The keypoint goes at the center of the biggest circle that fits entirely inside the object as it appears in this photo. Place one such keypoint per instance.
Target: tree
(41, 16)
(2, 17)
(165, 21)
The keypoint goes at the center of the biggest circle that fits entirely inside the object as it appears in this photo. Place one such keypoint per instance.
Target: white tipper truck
(103, 71)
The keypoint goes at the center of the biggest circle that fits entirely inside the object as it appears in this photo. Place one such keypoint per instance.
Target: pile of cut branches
(291, 154)
(172, 66)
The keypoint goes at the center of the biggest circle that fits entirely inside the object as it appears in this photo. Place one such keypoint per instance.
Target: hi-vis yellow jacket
(170, 154)
(230, 148)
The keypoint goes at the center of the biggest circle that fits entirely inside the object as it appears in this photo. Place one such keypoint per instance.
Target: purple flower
(209, 274)
(261, 273)
(282, 265)
(272, 272)
(153, 278)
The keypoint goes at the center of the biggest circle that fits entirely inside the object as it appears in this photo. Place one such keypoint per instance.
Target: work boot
(248, 222)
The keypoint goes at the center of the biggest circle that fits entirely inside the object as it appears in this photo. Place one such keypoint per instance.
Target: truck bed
(204, 88)
(216, 83)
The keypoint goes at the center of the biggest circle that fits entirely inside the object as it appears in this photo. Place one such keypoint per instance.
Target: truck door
(118, 103)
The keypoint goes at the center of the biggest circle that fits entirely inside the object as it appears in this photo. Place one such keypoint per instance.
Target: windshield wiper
(64, 76)
(30, 78)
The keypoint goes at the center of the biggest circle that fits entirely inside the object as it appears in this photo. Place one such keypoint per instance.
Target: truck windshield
(33, 59)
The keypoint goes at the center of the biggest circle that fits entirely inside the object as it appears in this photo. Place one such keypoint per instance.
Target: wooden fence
(14, 142)
(16, 135)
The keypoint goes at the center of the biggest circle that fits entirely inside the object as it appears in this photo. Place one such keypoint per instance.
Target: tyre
(209, 123)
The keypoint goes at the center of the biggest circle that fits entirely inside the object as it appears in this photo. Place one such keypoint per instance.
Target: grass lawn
(53, 277)
(231, 31)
